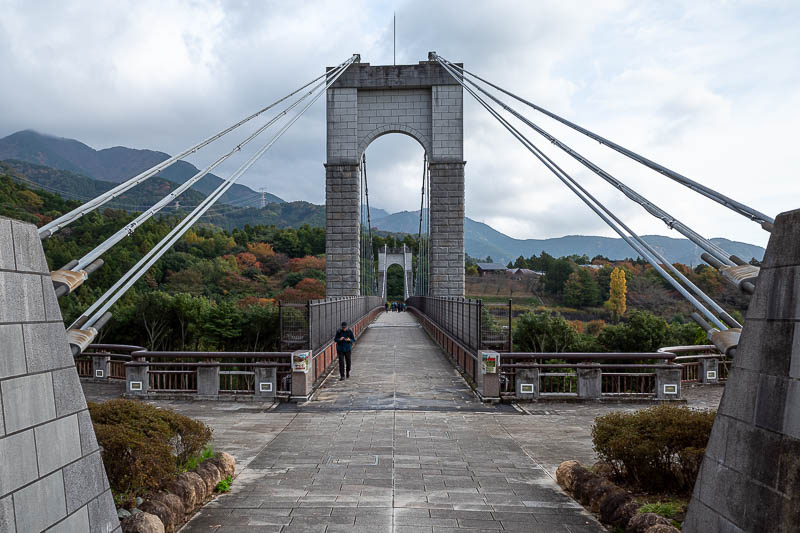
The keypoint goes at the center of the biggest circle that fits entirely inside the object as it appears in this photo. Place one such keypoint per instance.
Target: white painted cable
(50, 228)
(104, 303)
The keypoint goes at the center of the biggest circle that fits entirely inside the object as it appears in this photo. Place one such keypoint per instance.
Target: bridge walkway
(401, 446)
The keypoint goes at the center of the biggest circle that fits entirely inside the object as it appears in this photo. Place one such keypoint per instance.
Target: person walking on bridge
(386, 306)
(344, 340)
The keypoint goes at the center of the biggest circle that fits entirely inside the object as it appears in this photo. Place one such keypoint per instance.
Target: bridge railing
(700, 363)
(310, 326)
(208, 374)
(103, 362)
(589, 375)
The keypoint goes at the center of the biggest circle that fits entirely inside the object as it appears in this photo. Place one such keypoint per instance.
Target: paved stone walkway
(401, 446)
(428, 433)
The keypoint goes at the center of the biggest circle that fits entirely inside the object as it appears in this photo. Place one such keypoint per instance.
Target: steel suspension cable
(371, 256)
(152, 211)
(742, 209)
(48, 229)
(560, 174)
(104, 303)
(694, 288)
(419, 234)
(671, 222)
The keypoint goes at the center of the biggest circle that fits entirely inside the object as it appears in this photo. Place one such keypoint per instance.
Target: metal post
(310, 326)
(510, 331)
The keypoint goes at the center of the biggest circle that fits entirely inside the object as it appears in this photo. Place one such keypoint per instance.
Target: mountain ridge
(481, 240)
(115, 164)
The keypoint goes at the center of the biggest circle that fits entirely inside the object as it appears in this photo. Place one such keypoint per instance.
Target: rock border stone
(167, 511)
(613, 504)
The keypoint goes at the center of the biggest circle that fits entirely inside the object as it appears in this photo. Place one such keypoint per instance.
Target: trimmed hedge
(144, 447)
(657, 449)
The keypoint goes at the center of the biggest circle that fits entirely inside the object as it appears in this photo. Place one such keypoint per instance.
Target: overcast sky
(708, 88)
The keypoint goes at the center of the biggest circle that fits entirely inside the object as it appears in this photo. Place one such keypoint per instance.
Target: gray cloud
(707, 88)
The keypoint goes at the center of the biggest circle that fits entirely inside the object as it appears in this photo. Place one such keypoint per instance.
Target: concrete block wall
(394, 111)
(342, 221)
(447, 229)
(51, 473)
(422, 101)
(750, 477)
(448, 123)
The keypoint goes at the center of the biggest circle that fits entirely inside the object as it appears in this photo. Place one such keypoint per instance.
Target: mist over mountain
(115, 164)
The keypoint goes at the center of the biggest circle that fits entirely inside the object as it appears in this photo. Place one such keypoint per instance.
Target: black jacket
(341, 339)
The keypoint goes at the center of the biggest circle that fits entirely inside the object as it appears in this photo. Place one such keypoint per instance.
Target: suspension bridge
(424, 101)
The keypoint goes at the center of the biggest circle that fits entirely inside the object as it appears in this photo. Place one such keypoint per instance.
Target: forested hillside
(115, 164)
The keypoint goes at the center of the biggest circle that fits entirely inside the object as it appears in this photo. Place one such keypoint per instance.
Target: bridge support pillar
(489, 376)
(266, 382)
(302, 375)
(48, 450)
(668, 383)
(709, 371)
(590, 382)
(447, 228)
(208, 381)
(137, 380)
(343, 216)
(101, 366)
(527, 383)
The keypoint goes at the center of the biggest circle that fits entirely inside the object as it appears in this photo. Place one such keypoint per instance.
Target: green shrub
(659, 448)
(144, 446)
(224, 485)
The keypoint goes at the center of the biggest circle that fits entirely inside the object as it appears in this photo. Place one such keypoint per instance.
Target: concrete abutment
(51, 472)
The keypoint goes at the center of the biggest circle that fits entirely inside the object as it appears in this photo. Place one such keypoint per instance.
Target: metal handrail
(580, 356)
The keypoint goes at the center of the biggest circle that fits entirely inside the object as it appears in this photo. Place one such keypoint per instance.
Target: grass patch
(194, 460)
(224, 485)
(665, 509)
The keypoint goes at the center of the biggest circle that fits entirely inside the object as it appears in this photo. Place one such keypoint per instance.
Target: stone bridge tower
(424, 102)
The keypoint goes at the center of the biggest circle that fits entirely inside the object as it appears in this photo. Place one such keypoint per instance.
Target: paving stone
(403, 442)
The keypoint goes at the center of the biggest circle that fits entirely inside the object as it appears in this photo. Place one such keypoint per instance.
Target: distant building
(593, 267)
(491, 268)
(524, 272)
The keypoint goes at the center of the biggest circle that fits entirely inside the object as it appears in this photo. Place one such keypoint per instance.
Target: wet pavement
(402, 445)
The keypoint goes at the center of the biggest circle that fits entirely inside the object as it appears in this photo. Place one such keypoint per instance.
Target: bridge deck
(401, 446)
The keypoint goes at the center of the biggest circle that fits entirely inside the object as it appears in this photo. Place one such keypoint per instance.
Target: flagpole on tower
(394, 38)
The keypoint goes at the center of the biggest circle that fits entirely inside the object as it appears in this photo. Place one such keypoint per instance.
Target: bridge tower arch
(401, 257)
(366, 102)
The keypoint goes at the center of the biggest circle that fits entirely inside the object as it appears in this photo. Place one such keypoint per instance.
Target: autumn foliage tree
(616, 298)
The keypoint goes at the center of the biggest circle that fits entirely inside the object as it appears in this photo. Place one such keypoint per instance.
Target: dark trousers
(344, 358)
